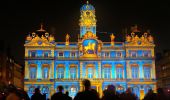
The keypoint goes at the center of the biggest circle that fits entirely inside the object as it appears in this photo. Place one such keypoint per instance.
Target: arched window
(31, 90)
(136, 91)
(45, 90)
(73, 71)
(146, 89)
(33, 71)
(107, 71)
(60, 71)
(135, 71)
(119, 71)
(147, 71)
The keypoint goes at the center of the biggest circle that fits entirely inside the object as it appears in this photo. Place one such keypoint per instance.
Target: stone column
(128, 70)
(81, 67)
(26, 52)
(39, 70)
(99, 69)
(52, 53)
(26, 70)
(52, 90)
(141, 71)
(113, 71)
(52, 70)
(152, 53)
(153, 70)
(66, 75)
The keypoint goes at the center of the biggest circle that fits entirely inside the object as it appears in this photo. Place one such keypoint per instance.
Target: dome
(87, 6)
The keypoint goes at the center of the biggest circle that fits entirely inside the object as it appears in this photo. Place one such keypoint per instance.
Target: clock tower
(87, 19)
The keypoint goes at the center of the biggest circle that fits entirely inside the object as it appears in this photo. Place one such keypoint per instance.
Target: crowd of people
(87, 94)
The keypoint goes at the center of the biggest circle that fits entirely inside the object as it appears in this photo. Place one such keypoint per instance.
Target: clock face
(87, 13)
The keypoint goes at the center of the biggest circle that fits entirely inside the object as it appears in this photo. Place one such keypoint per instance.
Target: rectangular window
(146, 53)
(133, 54)
(45, 72)
(33, 54)
(90, 72)
(60, 54)
(119, 73)
(147, 72)
(106, 54)
(73, 73)
(73, 54)
(107, 72)
(45, 54)
(33, 72)
(60, 72)
(118, 54)
(135, 72)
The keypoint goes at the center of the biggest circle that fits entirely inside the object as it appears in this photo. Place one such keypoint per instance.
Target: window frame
(106, 53)
(135, 66)
(31, 53)
(30, 73)
(59, 54)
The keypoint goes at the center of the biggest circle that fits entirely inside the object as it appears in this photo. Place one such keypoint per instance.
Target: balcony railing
(39, 57)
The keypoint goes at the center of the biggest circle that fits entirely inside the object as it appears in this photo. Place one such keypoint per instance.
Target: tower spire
(87, 19)
(41, 28)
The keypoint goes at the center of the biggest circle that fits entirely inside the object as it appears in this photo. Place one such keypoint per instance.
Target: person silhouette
(67, 94)
(37, 95)
(87, 94)
(110, 93)
(59, 95)
(150, 95)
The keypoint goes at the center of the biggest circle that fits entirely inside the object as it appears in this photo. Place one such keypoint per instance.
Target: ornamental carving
(89, 35)
(135, 40)
(36, 40)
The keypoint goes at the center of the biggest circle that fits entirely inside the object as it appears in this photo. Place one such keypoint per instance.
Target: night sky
(19, 18)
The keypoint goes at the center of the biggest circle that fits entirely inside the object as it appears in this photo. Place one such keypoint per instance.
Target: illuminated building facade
(123, 64)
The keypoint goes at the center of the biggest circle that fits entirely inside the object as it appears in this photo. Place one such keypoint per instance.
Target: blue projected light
(123, 65)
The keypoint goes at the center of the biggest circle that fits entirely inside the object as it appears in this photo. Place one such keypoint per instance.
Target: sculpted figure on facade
(150, 39)
(67, 39)
(29, 38)
(128, 38)
(136, 40)
(51, 38)
(112, 37)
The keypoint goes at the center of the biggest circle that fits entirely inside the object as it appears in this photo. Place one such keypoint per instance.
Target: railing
(39, 57)
(140, 57)
(116, 44)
